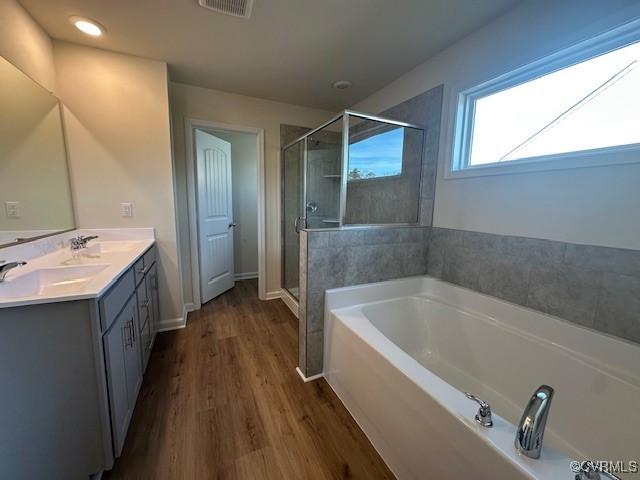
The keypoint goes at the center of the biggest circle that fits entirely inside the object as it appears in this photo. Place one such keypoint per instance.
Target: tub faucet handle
(590, 473)
(483, 417)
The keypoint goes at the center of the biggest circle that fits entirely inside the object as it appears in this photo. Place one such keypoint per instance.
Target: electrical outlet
(12, 209)
(126, 209)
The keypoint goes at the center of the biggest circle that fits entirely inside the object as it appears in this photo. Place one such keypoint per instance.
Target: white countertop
(100, 265)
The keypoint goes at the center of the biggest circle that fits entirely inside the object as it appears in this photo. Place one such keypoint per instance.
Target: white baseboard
(272, 295)
(171, 324)
(290, 302)
(245, 276)
(308, 379)
(176, 323)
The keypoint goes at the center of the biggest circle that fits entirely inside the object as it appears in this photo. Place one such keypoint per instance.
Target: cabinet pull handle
(133, 330)
(126, 334)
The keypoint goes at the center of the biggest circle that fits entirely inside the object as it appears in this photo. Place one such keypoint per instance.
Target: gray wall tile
(533, 249)
(587, 285)
(505, 279)
(614, 260)
(302, 303)
(462, 267)
(315, 349)
(346, 238)
(318, 239)
(618, 309)
(353, 257)
(566, 292)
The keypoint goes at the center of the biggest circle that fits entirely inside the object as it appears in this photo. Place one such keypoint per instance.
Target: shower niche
(356, 170)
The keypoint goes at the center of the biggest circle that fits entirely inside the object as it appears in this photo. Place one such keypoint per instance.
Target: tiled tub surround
(338, 258)
(597, 287)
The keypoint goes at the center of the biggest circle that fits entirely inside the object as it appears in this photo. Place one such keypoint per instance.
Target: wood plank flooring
(221, 400)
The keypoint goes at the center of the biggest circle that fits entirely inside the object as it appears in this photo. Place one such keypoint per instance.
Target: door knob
(232, 225)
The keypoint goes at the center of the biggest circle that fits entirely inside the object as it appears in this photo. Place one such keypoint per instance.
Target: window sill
(629, 154)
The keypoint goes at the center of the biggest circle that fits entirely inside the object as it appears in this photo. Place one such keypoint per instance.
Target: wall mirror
(35, 195)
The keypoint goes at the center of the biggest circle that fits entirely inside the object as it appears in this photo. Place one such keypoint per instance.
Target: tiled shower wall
(337, 258)
(597, 287)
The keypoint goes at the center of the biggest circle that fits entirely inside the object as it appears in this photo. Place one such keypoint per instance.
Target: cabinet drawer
(115, 299)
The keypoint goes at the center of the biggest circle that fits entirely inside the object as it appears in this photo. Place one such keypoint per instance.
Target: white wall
(118, 134)
(244, 173)
(118, 130)
(212, 105)
(597, 205)
(26, 45)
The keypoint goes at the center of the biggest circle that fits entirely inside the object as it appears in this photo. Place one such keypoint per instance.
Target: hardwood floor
(221, 400)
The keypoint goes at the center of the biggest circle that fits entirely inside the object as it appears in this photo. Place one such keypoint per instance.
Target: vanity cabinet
(129, 339)
(124, 370)
(73, 370)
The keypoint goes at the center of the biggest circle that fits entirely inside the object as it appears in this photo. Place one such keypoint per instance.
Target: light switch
(126, 209)
(12, 209)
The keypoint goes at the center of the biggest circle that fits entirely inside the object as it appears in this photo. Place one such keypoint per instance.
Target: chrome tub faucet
(483, 417)
(5, 267)
(530, 430)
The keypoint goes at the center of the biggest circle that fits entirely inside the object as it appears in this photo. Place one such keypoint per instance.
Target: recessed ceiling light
(342, 84)
(88, 26)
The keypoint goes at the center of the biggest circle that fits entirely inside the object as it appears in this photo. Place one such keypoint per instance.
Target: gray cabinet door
(133, 362)
(154, 300)
(145, 344)
(121, 344)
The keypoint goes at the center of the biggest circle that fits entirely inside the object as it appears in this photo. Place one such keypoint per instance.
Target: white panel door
(215, 215)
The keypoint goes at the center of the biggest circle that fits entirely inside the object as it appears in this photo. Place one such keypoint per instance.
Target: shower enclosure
(355, 170)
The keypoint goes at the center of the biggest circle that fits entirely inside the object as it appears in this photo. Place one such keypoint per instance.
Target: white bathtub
(399, 354)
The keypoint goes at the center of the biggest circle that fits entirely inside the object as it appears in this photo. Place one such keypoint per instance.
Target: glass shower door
(324, 176)
(293, 211)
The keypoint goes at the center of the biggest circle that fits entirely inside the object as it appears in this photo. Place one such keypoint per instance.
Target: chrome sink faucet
(80, 242)
(6, 266)
(530, 430)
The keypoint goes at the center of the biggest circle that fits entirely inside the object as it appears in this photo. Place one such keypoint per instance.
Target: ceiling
(289, 50)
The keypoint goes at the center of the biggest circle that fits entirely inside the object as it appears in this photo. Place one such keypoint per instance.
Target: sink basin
(50, 281)
(110, 247)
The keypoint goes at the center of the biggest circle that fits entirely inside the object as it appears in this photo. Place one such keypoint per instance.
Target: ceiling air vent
(237, 8)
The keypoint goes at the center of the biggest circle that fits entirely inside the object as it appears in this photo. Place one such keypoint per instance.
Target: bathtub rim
(616, 358)
(552, 465)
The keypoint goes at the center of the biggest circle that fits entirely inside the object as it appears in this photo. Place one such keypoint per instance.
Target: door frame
(192, 124)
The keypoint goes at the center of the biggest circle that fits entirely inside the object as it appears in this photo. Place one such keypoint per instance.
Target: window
(378, 155)
(556, 110)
